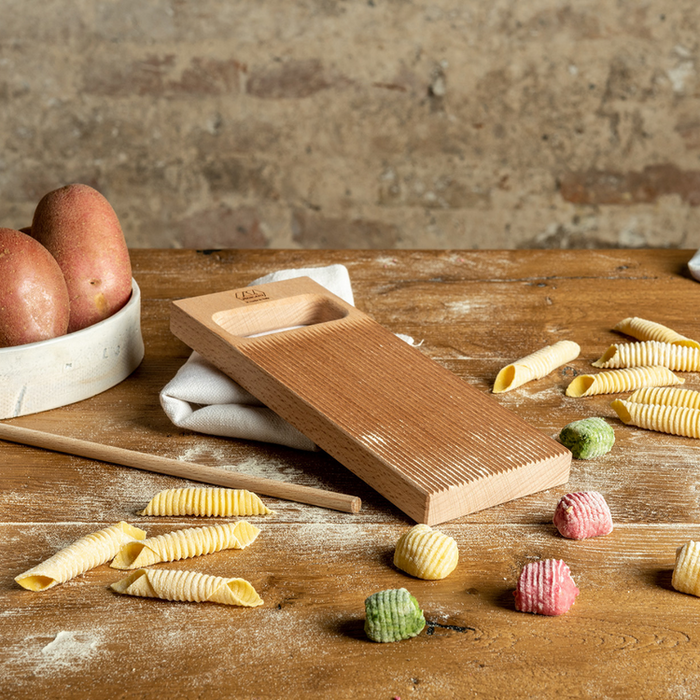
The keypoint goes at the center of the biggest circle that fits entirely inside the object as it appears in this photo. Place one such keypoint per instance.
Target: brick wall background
(376, 123)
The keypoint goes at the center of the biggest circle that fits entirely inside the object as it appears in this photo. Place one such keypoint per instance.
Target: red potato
(34, 302)
(78, 226)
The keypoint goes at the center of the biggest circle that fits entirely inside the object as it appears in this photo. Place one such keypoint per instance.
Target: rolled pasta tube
(641, 329)
(84, 554)
(183, 544)
(535, 366)
(206, 501)
(180, 585)
(674, 420)
(616, 380)
(651, 353)
(667, 396)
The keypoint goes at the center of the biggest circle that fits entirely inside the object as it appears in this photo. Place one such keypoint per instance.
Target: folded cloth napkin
(694, 265)
(202, 398)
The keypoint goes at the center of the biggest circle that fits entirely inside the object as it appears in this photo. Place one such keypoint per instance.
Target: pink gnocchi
(545, 587)
(583, 514)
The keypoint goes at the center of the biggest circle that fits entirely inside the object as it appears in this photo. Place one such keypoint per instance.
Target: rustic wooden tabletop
(629, 634)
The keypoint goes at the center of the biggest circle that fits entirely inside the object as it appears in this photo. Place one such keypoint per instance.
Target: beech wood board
(431, 444)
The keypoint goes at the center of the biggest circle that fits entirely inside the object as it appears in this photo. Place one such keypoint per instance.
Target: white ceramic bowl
(60, 371)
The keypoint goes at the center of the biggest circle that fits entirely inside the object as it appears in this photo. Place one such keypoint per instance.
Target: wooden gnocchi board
(431, 444)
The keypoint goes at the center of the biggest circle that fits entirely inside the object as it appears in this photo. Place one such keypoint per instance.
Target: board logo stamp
(250, 296)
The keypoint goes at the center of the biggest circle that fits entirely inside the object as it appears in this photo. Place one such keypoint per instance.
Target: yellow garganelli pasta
(183, 544)
(651, 353)
(84, 554)
(617, 380)
(642, 329)
(535, 366)
(206, 501)
(426, 553)
(674, 420)
(667, 396)
(180, 585)
(686, 573)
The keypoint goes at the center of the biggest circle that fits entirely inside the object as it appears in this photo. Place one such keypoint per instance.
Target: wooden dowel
(184, 470)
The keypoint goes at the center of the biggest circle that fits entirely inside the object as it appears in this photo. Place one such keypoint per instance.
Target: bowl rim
(134, 299)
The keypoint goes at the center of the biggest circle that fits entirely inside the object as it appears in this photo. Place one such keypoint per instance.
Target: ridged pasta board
(427, 441)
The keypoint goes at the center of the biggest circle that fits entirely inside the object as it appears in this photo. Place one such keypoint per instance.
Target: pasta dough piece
(546, 588)
(426, 553)
(206, 501)
(675, 420)
(535, 366)
(180, 585)
(667, 396)
(183, 544)
(686, 573)
(84, 554)
(617, 380)
(392, 615)
(588, 438)
(581, 515)
(642, 329)
(650, 353)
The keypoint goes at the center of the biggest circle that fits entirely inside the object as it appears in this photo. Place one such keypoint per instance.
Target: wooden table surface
(629, 634)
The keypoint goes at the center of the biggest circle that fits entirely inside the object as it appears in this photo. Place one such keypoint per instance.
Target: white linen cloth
(204, 399)
(694, 265)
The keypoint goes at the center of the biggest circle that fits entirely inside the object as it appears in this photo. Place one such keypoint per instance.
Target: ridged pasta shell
(84, 554)
(641, 329)
(180, 585)
(546, 588)
(618, 380)
(426, 553)
(183, 544)
(674, 420)
(583, 514)
(536, 365)
(686, 573)
(392, 615)
(206, 501)
(588, 438)
(651, 353)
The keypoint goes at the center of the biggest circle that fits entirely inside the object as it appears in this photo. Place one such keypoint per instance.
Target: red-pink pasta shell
(545, 587)
(583, 514)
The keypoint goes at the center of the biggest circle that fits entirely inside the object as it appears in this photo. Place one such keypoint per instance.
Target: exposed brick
(609, 187)
(158, 76)
(221, 227)
(237, 175)
(315, 231)
(289, 79)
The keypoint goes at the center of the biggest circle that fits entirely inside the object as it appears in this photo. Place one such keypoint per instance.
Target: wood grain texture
(629, 634)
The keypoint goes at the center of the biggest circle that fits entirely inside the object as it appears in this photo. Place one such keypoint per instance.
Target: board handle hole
(277, 315)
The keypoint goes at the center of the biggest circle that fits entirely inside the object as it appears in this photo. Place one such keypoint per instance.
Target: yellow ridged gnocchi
(84, 554)
(206, 501)
(617, 380)
(642, 329)
(183, 544)
(180, 585)
(674, 420)
(426, 553)
(536, 365)
(651, 353)
(667, 396)
(686, 573)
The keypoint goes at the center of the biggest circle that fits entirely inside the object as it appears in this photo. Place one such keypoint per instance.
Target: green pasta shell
(392, 615)
(588, 438)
